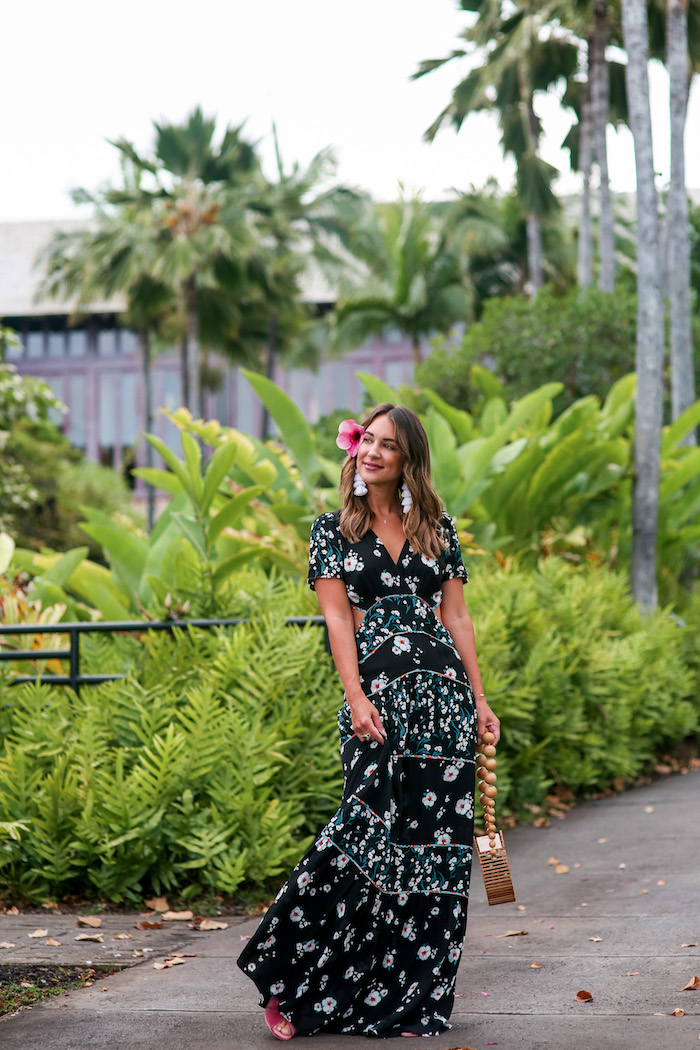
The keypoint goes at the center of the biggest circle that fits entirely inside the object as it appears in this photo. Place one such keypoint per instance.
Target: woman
(366, 935)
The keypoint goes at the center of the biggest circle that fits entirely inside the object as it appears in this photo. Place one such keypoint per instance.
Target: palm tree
(523, 51)
(415, 279)
(650, 342)
(199, 208)
(678, 243)
(112, 260)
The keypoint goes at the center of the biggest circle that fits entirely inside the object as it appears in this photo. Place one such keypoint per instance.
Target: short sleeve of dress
(454, 567)
(325, 552)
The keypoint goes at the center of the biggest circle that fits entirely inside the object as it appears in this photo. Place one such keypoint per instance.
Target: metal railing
(74, 678)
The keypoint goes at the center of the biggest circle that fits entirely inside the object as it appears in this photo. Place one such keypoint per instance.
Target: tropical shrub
(584, 340)
(205, 769)
(210, 766)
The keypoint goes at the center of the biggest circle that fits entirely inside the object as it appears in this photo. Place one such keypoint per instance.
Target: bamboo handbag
(491, 848)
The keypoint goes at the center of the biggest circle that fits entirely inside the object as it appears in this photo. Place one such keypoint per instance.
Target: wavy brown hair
(421, 525)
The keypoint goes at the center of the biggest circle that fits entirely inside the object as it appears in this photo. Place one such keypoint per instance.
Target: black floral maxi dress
(366, 934)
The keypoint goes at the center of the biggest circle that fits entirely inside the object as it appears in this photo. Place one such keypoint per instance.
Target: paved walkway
(623, 923)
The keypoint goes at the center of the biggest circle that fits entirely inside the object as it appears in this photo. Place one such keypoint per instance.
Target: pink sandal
(274, 1018)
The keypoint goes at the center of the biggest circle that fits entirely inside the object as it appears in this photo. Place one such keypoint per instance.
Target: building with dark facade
(92, 364)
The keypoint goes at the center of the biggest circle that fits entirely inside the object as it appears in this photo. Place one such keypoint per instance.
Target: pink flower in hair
(350, 435)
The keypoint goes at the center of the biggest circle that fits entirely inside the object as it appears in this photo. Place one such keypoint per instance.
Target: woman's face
(378, 458)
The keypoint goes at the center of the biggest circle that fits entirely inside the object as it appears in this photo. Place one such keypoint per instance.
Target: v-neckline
(388, 554)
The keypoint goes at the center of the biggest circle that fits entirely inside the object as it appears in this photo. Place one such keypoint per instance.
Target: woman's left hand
(486, 720)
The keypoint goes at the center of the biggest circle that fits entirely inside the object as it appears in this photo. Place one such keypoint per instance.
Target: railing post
(74, 635)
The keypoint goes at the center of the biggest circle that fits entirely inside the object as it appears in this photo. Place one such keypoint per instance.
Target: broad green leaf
(7, 549)
(460, 421)
(219, 466)
(678, 473)
(680, 427)
(378, 390)
(296, 432)
(493, 416)
(192, 530)
(175, 464)
(242, 557)
(231, 513)
(62, 569)
(126, 552)
(164, 480)
(485, 381)
(193, 459)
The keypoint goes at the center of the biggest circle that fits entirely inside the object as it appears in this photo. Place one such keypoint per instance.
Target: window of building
(128, 341)
(56, 344)
(107, 342)
(77, 410)
(34, 343)
(77, 342)
(107, 409)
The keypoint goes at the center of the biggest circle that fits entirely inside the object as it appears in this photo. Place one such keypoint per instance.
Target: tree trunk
(184, 372)
(600, 98)
(270, 353)
(647, 439)
(145, 347)
(585, 161)
(193, 400)
(678, 247)
(534, 254)
(415, 351)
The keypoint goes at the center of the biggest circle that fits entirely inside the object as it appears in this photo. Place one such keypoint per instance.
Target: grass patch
(25, 985)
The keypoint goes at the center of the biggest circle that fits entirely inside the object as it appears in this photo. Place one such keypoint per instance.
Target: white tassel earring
(406, 498)
(358, 485)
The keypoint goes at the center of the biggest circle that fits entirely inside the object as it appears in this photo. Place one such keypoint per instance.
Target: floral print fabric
(366, 934)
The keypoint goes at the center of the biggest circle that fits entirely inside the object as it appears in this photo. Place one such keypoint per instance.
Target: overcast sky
(77, 72)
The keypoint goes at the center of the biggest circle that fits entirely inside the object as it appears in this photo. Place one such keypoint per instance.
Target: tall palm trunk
(192, 354)
(534, 227)
(145, 348)
(600, 98)
(678, 248)
(270, 355)
(585, 233)
(647, 440)
(415, 351)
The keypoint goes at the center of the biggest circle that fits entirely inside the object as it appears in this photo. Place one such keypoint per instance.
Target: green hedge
(214, 763)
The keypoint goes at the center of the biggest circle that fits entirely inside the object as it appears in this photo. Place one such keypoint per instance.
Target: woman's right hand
(366, 719)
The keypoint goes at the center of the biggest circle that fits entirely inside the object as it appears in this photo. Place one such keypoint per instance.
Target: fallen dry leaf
(146, 924)
(562, 869)
(53, 943)
(603, 840)
(7, 944)
(39, 933)
(661, 882)
(49, 905)
(14, 910)
(595, 938)
(535, 966)
(648, 809)
(520, 907)
(99, 937)
(690, 944)
(176, 916)
(633, 973)
(677, 1012)
(94, 921)
(157, 904)
(138, 954)
(621, 866)
(584, 997)
(25, 984)
(514, 933)
(167, 963)
(553, 860)
(692, 985)
(200, 923)
(123, 936)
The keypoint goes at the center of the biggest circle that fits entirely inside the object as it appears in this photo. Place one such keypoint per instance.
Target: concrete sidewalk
(623, 923)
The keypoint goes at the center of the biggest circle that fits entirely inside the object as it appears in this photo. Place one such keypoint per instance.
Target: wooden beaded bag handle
(490, 847)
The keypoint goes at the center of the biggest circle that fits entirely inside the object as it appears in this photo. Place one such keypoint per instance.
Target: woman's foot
(280, 1027)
